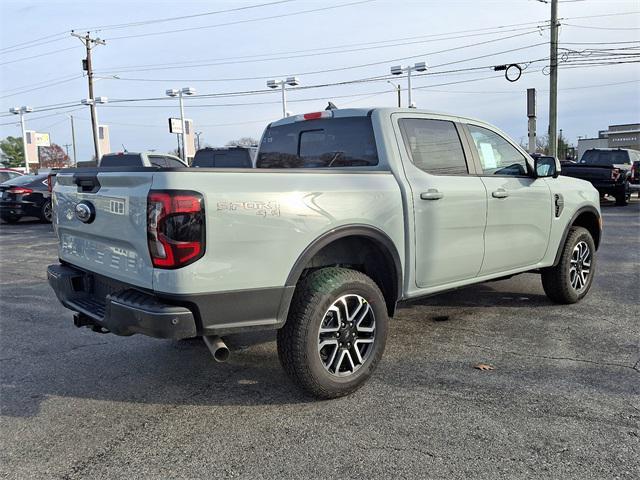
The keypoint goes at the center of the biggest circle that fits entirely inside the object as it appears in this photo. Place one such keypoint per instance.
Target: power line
(183, 17)
(50, 84)
(600, 28)
(32, 43)
(51, 52)
(482, 31)
(237, 22)
(289, 56)
(331, 70)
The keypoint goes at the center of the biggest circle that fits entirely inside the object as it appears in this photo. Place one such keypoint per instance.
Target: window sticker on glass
(488, 157)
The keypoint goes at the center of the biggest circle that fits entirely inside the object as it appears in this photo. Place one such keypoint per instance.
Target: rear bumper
(124, 312)
(124, 309)
(20, 209)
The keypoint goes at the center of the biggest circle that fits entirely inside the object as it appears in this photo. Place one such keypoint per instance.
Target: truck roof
(363, 112)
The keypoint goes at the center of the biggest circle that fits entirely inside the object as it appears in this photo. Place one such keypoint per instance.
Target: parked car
(8, 174)
(348, 213)
(26, 196)
(143, 159)
(608, 169)
(225, 157)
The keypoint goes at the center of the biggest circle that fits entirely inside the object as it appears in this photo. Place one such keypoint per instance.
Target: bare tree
(243, 142)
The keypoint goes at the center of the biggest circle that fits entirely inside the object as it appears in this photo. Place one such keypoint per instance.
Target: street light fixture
(399, 70)
(397, 88)
(291, 81)
(21, 111)
(175, 92)
(92, 102)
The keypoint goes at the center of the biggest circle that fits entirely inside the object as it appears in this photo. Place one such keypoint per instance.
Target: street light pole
(180, 92)
(291, 81)
(94, 123)
(73, 140)
(21, 111)
(397, 88)
(399, 70)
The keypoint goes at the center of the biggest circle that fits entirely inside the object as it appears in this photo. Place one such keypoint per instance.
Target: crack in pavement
(546, 357)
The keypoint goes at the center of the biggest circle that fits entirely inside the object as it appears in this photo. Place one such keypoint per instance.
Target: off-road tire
(556, 281)
(298, 347)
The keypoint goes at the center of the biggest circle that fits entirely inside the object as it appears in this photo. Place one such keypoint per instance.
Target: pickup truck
(348, 213)
(608, 169)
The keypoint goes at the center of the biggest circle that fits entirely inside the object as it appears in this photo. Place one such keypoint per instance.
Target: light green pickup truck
(348, 213)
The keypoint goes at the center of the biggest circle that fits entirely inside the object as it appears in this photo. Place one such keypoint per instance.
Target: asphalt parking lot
(562, 402)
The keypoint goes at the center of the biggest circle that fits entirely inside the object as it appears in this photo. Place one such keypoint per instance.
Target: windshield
(223, 158)
(122, 160)
(604, 157)
(321, 143)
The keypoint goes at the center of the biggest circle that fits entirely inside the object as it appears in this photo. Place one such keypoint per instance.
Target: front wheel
(335, 332)
(570, 280)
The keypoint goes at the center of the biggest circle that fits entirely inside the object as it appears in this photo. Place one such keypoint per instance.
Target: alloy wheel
(346, 335)
(580, 268)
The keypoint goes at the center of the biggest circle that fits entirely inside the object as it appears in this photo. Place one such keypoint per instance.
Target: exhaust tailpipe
(217, 347)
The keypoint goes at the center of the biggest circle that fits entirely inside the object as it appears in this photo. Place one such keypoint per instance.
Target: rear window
(25, 179)
(236, 158)
(124, 160)
(321, 143)
(604, 157)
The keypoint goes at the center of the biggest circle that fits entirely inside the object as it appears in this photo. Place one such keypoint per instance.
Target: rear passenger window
(497, 156)
(434, 146)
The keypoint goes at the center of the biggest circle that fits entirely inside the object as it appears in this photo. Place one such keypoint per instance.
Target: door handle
(431, 194)
(500, 193)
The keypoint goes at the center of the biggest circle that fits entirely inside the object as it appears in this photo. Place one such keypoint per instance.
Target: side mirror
(546, 167)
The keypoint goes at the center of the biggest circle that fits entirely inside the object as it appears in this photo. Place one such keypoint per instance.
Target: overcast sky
(240, 55)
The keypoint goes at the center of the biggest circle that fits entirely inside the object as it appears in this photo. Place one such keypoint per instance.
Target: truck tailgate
(114, 241)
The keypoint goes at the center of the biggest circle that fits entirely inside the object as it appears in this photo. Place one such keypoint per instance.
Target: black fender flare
(580, 211)
(343, 231)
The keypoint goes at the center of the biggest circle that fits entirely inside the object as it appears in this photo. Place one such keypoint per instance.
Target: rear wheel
(46, 212)
(624, 195)
(335, 332)
(571, 279)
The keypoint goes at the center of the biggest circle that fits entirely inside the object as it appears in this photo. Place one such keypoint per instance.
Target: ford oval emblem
(85, 212)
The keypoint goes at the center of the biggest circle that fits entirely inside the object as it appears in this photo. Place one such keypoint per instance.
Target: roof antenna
(124, 149)
(331, 106)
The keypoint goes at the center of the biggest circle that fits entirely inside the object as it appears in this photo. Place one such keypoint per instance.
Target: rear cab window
(121, 160)
(605, 158)
(223, 158)
(321, 143)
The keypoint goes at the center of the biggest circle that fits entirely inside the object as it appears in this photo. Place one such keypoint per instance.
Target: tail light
(634, 171)
(615, 174)
(175, 227)
(20, 190)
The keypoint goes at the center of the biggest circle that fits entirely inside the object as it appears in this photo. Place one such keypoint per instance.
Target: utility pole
(198, 139)
(66, 147)
(553, 81)
(89, 44)
(73, 141)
